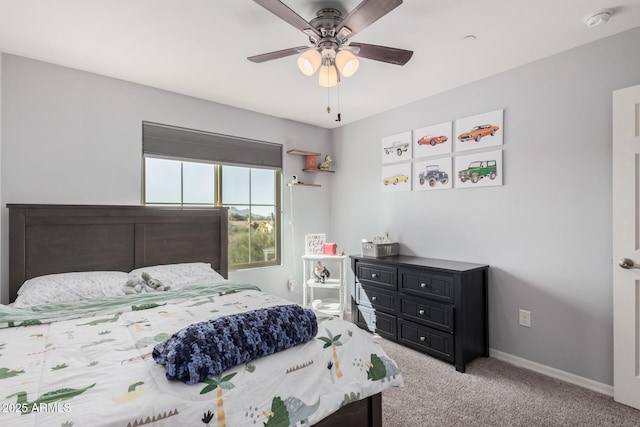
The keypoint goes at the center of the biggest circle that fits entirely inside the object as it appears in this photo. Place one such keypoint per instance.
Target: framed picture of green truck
(479, 170)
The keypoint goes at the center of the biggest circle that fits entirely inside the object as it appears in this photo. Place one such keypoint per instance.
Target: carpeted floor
(491, 393)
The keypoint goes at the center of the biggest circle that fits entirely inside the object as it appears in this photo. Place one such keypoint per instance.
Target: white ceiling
(199, 47)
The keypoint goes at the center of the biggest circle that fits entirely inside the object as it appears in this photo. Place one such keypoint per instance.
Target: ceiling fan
(329, 33)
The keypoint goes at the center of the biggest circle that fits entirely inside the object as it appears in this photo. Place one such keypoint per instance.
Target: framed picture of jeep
(479, 170)
(481, 131)
(433, 174)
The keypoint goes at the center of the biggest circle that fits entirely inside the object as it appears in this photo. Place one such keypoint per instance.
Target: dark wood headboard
(48, 239)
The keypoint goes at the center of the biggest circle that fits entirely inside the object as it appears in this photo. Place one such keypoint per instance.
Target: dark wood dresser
(436, 306)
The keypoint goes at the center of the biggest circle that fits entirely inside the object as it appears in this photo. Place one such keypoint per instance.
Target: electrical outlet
(525, 318)
(291, 283)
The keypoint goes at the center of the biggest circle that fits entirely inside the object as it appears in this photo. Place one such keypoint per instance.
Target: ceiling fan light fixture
(309, 62)
(347, 63)
(329, 33)
(328, 76)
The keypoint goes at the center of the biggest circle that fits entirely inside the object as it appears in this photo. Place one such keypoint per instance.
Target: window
(251, 193)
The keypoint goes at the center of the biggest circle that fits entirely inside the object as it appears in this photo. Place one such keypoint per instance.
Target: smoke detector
(598, 18)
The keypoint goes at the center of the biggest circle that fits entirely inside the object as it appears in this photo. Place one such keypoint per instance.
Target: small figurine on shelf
(326, 165)
(321, 273)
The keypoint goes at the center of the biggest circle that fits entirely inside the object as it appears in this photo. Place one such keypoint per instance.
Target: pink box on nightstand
(330, 248)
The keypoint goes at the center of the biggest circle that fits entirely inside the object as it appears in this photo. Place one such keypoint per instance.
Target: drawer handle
(421, 312)
(423, 285)
(374, 275)
(374, 298)
(423, 339)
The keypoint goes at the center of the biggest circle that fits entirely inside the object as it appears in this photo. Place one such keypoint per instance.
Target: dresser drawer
(427, 340)
(427, 284)
(386, 277)
(376, 298)
(428, 313)
(376, 322)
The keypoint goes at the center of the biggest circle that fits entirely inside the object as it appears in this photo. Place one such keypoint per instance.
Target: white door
(626, 246)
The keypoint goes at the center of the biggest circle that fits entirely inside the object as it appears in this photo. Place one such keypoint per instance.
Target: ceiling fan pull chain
(328, 100)
(339, 118)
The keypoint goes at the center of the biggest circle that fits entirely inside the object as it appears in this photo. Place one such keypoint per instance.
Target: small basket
(378, 250)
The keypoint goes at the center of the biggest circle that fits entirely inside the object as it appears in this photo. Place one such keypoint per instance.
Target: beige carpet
(491, 393)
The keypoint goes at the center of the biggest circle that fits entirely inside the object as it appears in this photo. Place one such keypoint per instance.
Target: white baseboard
(552, 372)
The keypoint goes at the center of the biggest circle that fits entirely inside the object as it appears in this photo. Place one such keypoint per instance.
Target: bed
(91, 362)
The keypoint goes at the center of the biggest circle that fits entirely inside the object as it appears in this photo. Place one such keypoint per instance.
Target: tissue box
(330, 248)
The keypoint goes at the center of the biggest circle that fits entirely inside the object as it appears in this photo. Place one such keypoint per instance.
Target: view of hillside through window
(249, 193)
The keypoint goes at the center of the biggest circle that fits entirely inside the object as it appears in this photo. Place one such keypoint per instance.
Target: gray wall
(73, 137)
(546, 233)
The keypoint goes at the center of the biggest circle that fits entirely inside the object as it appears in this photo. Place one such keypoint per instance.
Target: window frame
(218, 198)
(277, 207)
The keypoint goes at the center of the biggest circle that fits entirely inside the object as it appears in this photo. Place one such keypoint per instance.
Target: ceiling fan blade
(285, 13)
(365, 14)
(277, 54)
(391, 55)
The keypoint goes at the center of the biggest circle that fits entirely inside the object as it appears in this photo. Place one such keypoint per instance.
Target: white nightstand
(337, 266)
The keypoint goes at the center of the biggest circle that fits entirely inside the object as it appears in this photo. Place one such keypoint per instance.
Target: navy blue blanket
(206, 349)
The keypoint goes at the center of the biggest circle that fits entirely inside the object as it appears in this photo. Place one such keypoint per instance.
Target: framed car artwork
(396, 177)
(433, 174)
(481, 131)
(483, 169)
(396, 148)
(432, 140)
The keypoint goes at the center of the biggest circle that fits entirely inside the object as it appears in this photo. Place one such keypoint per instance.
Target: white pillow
(178, 276)
(70, 287)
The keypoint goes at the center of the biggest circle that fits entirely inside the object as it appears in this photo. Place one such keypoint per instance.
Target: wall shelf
(302, 152)
(302, 185)
(317, 170)
(311, 161)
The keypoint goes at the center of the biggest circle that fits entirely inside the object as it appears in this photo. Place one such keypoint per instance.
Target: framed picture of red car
(481, 131)
(432, 140)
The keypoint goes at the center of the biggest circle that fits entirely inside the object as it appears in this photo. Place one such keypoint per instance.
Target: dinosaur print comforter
(90, 365)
